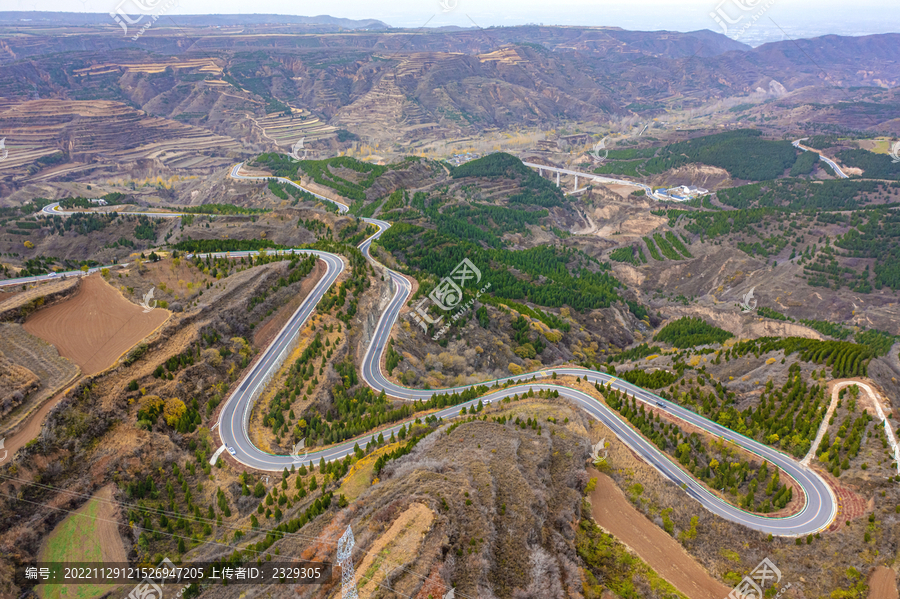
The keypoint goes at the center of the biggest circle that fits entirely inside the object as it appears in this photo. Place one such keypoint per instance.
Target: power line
(328, 540)
(158, 511)
(174, 536)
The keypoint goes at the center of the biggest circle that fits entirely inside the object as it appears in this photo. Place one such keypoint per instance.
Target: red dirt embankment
(266, 332)
(613, 512)
(95, 326)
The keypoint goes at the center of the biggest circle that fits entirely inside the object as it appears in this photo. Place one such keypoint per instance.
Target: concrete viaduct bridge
(589, 177)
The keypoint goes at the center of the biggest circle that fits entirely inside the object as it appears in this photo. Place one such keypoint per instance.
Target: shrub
(691, 331)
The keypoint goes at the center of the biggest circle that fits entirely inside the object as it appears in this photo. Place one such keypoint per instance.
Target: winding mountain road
(820, 504)
(837, 170)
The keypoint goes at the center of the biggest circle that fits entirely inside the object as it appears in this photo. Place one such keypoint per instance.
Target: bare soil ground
(95, 326)
(13, 302)
(883, 583)
(614, 513)
(851, 505)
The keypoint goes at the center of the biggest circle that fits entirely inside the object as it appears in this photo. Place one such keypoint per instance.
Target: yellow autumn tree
(239, 345)
(173, 410)
(150, 405)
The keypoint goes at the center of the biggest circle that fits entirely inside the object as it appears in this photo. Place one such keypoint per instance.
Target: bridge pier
(557, 178)
(576, 184)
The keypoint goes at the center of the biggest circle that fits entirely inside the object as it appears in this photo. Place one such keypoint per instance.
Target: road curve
(820, 504)
(54, 210)
(837, 170)
(236, 174)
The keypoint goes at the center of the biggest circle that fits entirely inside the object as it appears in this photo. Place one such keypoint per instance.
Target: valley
(529, 311)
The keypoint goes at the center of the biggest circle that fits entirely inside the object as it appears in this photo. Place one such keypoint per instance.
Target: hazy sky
(797, 18)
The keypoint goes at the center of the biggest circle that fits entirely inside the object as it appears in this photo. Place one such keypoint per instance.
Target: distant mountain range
(404, 84)
(81, 18)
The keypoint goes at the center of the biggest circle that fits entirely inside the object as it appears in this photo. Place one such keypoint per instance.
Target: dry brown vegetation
(506, 501)
(480, 353)
(30, 356)
(16, 382)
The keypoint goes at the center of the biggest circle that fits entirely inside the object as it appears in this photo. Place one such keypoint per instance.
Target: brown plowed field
(613, 512)
(95, 326)
(883, 584)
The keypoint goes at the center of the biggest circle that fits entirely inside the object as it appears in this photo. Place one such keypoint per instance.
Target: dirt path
(876, 404)
(107, 530)
(883, 584)
(89, 534)
(31, 428)
(95, 326)
(822, 427)
(613, 512)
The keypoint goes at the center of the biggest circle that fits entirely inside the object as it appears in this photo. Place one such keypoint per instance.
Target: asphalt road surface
(820, 504)
(837, 170)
